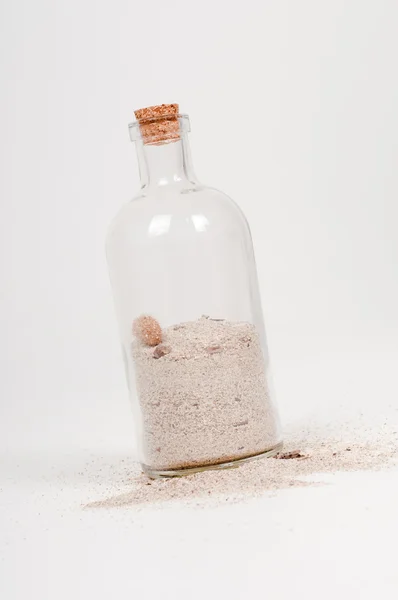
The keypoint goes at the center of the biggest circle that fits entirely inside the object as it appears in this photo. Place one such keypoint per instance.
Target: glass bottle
(185, 287)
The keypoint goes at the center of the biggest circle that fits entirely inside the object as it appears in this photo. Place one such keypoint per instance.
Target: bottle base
(232, 464)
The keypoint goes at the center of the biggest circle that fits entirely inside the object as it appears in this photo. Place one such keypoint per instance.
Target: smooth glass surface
(177, 251)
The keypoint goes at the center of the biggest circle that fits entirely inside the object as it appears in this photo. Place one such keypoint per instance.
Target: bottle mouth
(157, 125)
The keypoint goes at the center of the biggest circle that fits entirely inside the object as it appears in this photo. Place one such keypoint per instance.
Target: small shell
(213, 349)
(147, 330)
(161, 350)
(289, 455)
(242, 423)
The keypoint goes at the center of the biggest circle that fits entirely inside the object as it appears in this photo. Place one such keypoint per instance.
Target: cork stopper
(158, 124)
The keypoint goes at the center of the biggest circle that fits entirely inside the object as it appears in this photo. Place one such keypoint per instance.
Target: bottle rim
(135, 131)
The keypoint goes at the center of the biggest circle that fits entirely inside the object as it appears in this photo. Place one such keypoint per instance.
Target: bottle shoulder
(201, 209)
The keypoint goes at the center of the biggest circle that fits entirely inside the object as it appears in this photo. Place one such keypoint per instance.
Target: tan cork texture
(158, 124)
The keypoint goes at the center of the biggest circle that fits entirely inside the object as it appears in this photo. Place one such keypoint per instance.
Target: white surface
(324, 542)
(314, 169)
(333, 540)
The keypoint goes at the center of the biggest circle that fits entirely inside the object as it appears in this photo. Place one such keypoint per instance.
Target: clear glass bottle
(185, 286)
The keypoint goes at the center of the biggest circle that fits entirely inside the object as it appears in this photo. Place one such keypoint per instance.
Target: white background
(293, 109)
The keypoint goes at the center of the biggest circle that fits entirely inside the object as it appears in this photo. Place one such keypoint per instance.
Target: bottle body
(182, 255)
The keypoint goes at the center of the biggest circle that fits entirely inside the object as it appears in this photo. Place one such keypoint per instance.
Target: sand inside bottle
(203, 395)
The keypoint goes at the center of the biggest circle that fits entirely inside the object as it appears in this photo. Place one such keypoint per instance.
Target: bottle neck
(166, 164)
